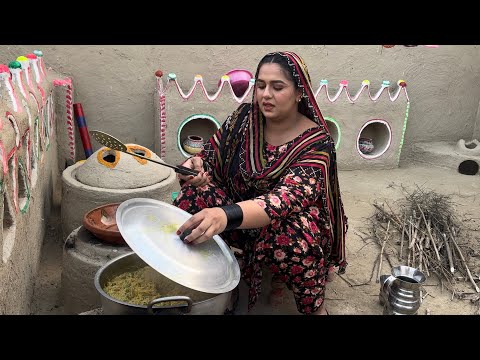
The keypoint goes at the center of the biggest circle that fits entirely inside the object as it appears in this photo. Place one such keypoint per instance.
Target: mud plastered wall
(194, 113)
(115, 82)
(368, 124)
(34, 100)
(476, 130)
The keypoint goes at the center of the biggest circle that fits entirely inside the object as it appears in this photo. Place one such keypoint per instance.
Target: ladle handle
(178, 169)
(185, 171)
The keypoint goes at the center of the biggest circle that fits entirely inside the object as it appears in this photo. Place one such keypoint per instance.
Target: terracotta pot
(102, 223)
(193, 144)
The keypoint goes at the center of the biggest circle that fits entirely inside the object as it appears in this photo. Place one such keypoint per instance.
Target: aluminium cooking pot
(197, 303)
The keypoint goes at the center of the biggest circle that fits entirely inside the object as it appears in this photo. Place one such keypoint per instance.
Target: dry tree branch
(403, 235)
(421, 231)
(381, 253)
(465, 264)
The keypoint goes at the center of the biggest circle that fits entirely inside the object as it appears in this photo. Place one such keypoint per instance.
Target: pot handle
(171, 298)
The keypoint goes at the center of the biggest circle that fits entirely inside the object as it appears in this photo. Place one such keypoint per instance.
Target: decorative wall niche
(8, 224)
(23, 188)
(374, 139)
(335, 130)
(201, 126)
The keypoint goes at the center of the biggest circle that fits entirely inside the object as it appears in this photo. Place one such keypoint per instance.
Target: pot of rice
(129, 286)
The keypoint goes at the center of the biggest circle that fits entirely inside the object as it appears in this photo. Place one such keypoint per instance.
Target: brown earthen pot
(102, 223)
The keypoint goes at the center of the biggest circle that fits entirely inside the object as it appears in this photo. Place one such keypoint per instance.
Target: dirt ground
(355, 292)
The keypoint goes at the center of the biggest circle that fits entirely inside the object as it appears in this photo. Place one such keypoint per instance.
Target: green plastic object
(174, 195)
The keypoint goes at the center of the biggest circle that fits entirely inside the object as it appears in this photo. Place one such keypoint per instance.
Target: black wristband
(234, 216)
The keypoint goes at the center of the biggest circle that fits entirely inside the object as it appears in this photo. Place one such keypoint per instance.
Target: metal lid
(149, 228)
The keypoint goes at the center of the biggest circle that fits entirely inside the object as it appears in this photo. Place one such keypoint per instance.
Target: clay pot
(102, 223)
(193, 144)
(366, 145)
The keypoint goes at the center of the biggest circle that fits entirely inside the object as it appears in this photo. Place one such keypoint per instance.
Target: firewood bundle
(425, 232)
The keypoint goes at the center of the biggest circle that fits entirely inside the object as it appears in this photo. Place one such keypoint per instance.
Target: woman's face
(275, 93)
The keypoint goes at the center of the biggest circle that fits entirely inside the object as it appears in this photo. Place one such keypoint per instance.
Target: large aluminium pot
(210, 304)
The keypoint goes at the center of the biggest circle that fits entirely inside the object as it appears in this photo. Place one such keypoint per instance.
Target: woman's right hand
(201, 179)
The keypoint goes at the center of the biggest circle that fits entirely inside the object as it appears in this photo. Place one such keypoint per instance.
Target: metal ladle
(115, 144)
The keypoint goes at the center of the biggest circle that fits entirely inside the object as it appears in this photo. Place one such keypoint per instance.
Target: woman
(268, 184)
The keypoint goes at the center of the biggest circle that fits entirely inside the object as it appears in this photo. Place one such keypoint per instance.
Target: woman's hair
(276, 58)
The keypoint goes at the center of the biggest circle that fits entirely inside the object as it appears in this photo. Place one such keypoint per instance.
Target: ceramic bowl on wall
(193, 144)
(102, 223)
(366, 145)
(239, 79)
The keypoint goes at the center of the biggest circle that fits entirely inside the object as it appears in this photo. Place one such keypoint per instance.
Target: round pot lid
(149, 228)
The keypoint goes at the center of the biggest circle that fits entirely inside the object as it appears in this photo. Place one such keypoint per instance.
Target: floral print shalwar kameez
(297, 186)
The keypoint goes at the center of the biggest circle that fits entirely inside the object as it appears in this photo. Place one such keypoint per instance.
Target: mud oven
(106, 177)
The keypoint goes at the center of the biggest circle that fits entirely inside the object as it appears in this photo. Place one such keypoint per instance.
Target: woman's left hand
(204, 224)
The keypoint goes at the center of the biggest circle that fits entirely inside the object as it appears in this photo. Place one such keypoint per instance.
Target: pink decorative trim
(163, 127)
(40, 115)
(10, 154)
(199, 82)
(39, 108)
(67, 83)
(34, 63)
(42, 67)
(29, 114)
(163, 115)
(17, 107)
(14, 176)
(6, 78)
(51, 116)
(42, 93)
(38, 78)
(28, 74)
(17, 77)
(3, 158)
(26, 136)
(365, 87)
(13, 122)
(61, 82)
(344, 87)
